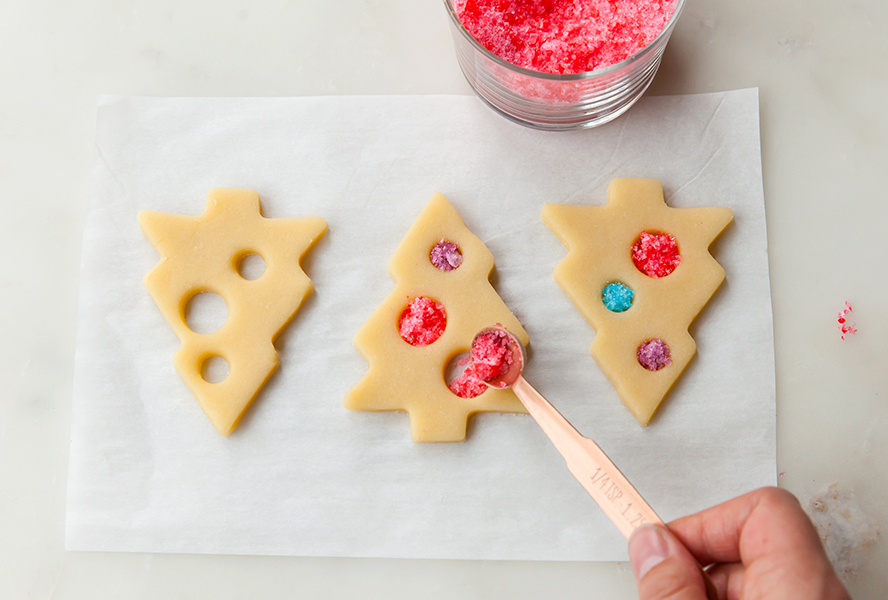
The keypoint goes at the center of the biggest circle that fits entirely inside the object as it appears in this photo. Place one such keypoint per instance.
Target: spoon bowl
(509, 355)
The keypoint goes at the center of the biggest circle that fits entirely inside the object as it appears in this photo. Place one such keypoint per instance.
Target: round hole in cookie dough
(250, 266)
(446, 255)
(214, 369)
(422, 321)
(653, 354)
(205, 312)
(655, 253)
(461, 378)
(617, 297)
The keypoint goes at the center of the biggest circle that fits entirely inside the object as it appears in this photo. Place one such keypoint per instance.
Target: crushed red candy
(655, 254)
(468, 385)
(564, 36)
(422, 322)
(844, 326)
(491, 356)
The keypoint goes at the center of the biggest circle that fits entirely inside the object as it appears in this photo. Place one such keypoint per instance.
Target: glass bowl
(557, 102)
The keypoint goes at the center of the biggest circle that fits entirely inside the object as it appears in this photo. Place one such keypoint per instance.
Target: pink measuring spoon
(619, 500)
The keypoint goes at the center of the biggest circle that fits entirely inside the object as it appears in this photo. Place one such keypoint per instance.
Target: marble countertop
(822, 80)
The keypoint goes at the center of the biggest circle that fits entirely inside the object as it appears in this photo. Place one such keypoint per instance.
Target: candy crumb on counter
(491, 356)
(844, 327)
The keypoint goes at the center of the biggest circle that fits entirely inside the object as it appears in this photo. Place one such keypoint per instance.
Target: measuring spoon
(619, 500)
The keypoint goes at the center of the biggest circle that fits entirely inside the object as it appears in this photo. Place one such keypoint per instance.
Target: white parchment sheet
(304, 476)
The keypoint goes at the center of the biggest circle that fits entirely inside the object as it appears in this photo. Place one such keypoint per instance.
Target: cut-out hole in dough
(205, 312)
(655, 253)
(654, 354)
(461, 378)
(251, 266)
(422, 322)
(214, 369)
(617, 297)
(446, 256)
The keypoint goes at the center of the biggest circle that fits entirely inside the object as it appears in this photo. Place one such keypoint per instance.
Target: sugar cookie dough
(659, 253)
(405, 377)
(203, 254)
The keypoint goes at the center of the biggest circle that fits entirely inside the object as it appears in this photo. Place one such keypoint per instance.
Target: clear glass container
(557, 102)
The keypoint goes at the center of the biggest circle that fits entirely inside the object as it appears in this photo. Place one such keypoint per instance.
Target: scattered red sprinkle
(564, 36)
(422, 322)
(844, 327)
(655, 254)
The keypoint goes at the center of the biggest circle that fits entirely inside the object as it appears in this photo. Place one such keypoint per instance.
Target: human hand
(762, 547)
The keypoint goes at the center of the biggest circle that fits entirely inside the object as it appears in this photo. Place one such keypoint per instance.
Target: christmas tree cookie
(442, 298)
(204, 254)
(639, 272)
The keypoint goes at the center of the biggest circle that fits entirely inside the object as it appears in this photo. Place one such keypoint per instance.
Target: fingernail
(647, 549)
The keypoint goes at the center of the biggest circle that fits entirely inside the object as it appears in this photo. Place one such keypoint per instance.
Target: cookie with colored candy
(441, 299)
(639, 272)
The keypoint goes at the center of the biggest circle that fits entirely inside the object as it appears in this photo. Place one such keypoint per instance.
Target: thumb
(663, 567)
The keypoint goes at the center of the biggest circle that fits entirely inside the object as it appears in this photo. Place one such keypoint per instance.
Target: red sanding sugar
(655, 254)
(564, 36)
(422, 322)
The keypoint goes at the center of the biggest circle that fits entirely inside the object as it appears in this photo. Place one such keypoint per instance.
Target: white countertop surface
(822, 78)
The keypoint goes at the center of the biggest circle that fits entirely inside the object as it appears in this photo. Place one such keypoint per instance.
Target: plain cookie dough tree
(639, 272)
(429, 318)
(204, 254)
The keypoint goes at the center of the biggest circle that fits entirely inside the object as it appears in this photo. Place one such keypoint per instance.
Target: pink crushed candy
(422, 322)
(491, 357)
(564, 36)
(446, 256)
(491, 354)
(655, 254)
(844, 327)
(468, 385)
(653, 354)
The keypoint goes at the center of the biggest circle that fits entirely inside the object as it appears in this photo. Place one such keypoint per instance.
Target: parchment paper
(304, 476)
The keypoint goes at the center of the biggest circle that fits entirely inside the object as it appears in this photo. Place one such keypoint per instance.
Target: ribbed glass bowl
(557, 102)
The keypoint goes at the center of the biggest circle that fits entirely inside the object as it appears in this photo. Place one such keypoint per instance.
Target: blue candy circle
(617, 297)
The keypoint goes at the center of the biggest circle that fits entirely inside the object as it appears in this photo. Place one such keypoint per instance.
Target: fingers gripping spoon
(502, 358)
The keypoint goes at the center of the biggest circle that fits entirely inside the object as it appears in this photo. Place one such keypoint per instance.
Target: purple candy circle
(446, 256)
(654, 354)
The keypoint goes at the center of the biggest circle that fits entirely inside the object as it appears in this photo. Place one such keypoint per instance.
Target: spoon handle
(619, 500)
